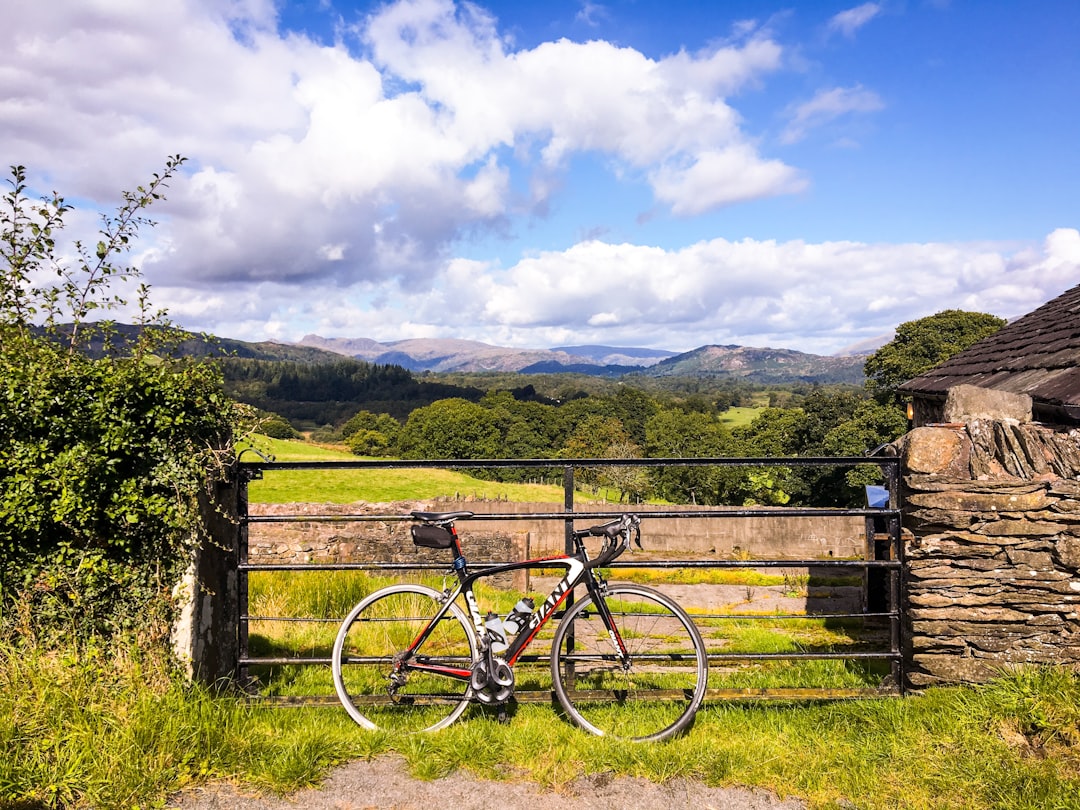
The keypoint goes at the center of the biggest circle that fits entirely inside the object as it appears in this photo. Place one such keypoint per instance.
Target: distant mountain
(771, 366)
(761, 365)
(431, 354)
(767, 366)
(97, 339)
(866, 347)
(613, 355)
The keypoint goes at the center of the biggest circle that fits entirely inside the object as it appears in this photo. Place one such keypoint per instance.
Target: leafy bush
(102, 459)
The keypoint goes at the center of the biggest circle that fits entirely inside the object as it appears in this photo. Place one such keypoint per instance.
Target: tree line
(632, 424)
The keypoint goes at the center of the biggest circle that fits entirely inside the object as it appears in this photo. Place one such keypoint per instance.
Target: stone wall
(992, 575)
(782, 537)
(384, 541)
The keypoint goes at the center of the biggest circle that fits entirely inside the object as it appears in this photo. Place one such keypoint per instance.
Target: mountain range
(740, 362)
(755, 365)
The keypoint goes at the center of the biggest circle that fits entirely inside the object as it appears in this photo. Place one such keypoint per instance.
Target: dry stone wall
(992, 575)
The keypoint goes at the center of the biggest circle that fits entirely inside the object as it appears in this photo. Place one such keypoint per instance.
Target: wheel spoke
(369, 644)
(652, 696)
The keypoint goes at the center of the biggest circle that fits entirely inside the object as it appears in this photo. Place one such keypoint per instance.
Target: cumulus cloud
(388, 147)
(815, 297)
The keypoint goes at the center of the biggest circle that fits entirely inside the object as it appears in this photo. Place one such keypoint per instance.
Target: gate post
(204, 635)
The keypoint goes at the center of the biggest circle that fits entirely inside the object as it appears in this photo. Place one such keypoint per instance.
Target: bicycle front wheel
(381, 692)
(656, 693)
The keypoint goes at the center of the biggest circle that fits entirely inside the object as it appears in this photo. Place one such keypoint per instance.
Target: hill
(767, 366)
(453, 355)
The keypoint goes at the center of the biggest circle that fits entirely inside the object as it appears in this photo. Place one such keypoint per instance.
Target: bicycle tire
(380, 627)
(659, 695)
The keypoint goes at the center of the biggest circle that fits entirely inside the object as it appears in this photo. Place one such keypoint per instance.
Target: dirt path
(385, 783)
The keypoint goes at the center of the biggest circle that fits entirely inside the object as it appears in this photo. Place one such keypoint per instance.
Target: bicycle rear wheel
(654, 698)
(375, 633)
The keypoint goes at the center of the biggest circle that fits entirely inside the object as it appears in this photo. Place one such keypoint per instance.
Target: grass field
(383, 485)
(97, 727)
(739, 417)
(113, 729)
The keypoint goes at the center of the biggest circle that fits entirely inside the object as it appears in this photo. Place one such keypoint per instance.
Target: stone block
(969, 614)
(1067, 551)
(966, 403)
(943, 669)
(981, 502)
(1067, 487)
(935, 450)
(1021, 527)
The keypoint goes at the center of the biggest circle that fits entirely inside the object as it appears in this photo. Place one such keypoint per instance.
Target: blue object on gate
(877, 497)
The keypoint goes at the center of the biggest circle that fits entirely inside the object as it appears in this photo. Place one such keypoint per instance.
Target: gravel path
(385, 783)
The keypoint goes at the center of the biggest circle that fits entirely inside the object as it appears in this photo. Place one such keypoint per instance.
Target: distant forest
(312, 395)
(325, 395)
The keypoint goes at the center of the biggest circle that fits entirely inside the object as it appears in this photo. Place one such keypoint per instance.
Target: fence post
(204, 635)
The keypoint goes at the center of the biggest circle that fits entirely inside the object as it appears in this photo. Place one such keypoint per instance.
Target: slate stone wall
(992, 575)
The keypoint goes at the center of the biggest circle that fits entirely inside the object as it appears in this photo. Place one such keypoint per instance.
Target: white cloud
(816, 297)
(718, 178)
(849, 21)
(591, 14)
(389, 156)
(827, 106)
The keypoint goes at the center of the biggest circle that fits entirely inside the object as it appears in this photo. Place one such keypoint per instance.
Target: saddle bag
(432, 536)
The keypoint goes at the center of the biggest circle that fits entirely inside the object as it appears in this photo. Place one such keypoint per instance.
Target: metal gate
(874, 659)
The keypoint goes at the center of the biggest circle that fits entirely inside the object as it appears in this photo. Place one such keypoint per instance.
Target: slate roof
(1037, 355)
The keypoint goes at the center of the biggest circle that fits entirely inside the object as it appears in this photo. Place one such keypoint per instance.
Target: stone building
(992, 503)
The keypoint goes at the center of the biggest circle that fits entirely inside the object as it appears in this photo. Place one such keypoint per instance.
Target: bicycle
(626, 660)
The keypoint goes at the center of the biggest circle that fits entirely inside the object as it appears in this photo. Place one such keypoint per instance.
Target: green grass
(293, 450)
(727, 576)
(739, 417)
(96, 730)
(376, 485)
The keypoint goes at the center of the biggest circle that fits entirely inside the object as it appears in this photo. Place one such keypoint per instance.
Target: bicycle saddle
(440, 517)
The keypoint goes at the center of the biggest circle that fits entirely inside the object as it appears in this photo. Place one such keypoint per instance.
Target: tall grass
(92, 729)
(96, 728)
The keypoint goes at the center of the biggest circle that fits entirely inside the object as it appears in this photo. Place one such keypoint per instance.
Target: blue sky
(804, 175)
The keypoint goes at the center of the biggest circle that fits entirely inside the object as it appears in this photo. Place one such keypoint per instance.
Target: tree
(102, 459)
(371, 434)
(449, 429)
(677, 434)
(596, 437)
(921, 344)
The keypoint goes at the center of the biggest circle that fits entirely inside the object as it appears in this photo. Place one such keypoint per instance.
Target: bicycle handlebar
(624, 527)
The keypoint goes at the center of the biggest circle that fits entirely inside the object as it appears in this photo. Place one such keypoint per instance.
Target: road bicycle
(626, 660)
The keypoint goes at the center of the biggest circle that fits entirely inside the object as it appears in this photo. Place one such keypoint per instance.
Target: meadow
(117, 727)
(98, 728)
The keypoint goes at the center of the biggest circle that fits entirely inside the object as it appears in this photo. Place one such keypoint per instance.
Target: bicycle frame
(579, 571)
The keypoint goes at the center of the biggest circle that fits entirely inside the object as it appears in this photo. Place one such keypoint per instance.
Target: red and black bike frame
(579, 571)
